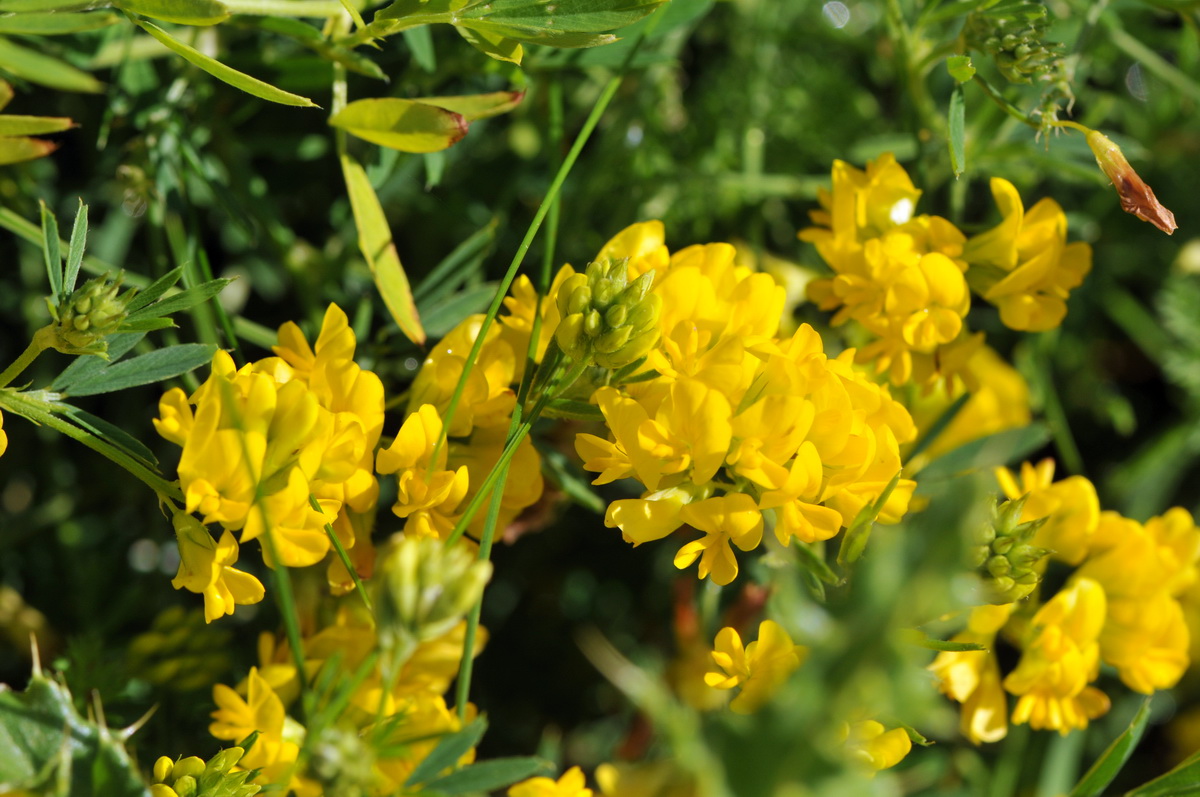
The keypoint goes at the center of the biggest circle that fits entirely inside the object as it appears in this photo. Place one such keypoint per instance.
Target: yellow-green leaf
(12, 125)
(56, 24)
(15, 150)
(183, 12)
(375, 241)
(478, 106)
(228, 74)
(45, 70)
(6, 93)
(401, 124)
(494, 45)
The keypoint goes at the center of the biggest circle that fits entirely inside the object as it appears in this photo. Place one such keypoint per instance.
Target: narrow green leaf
(6, 94)
(549, 36)
(490, 775)
(446, 314)
(420, 44)
(537, 17)
(75, 250)
(1110, 762)
(946, 645)
(82, 368)
(458, 266)
(378, 249)
(13, 125)
(51, 252)
(493, 45)
(146, 324)
(957, 120)
(146, 369)
(45, 70)
(229, 75)
(987, 452)
(814, 564)
(1182, 780)
(447, 753)
(110, 432)
(960, 68)
(935, 431)
(34, 6)
(478, 106)
(181, 12)
(181, 301)
(311, 37)
(576, 410)
(405, 125)
(854, 542)
(19, 150)
(571, 479)
(154, 290)
(57, 24)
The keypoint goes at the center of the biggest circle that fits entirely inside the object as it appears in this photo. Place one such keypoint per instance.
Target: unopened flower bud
(615, 315)
(185, 786)
(1003, 555)
(192, 765)
(1136, 197)
(607, 318)
(162, 790)
(92, 312)
(162, 768)
(225, 760)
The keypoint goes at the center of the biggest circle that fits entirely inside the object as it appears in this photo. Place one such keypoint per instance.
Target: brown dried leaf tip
(1136, 197)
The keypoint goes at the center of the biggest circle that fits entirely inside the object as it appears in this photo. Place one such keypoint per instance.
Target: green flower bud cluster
(607, 318)
(422, 590)
(1004, 555)
(193, 777)
(93, 311)
(180, 651)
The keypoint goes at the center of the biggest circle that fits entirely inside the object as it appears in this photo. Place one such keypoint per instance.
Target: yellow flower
(571, 784)
(729, 518)
(972, 677)
(642, 243)
(870, 743)
(1071, 507)
(422, 483)
(1024, 265)
(261, 710)
(644, 779)
(759, 668)
(1147, 641)
(488, 397)
(3, 436)
(205, 567)
(862, 205)
(1061, 657)
(1137, 561)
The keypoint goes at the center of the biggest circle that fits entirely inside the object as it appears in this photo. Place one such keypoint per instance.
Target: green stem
(43, 413)
(281, 583)
(36, 346)
(610, 90)
(1056, 416)
(1008, 107)
(341, 552)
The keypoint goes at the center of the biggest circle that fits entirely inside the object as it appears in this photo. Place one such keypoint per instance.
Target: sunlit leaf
(496, 46)
(401, 124)
(1102, 773)
(16, 150)
(45, 70)
(478, 106)
(57, 24)
(182, 12)
(13, 125)
(225, 73)
(957, 123)
(375, 241)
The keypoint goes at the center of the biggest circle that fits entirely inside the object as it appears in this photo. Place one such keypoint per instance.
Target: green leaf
(22, 6)
(378, 249)
(12, 125)
(458, 266)
(312, 38)
(110, 432)
(181, 12)
(960, 68)
(935, 431)
(447, 753)
(570, 478)
(6, 94)
(1110, 762)
(957, 123)
(987, 452)
(815, 565)
(420, 44)
(854, 542)
(75, 249)
(490, 775)
(478, 106)
(1182, 780)
(45, 70)
(145, 369)
(570, 408)
(406, 125)
(446, 314)
(548, 36)
(181, 301)
(82, 368)
(18, 150)
(57, 24)
(51, 252)
(146, 325)
(43, 737)
(536, 19)
(154, 290)
(493, 45)
(945, 645)
(220, 71)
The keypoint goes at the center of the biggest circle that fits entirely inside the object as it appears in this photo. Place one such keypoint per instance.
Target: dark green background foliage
(725, 127)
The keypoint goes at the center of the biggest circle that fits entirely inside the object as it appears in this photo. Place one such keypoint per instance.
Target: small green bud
(185, 786)
(93, 311)
(615, 315)
(224, 760)
(613, 340)
(593, 324)
(1004, 555)
(604, 294)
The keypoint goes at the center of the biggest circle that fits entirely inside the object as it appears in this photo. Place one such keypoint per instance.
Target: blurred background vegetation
(724, 128)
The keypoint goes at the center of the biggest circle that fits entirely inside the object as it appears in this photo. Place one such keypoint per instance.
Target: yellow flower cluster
(730, 428)
(759, 668)
(264, 442)
(1122, 605)
(907, 279)
(405, 718)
